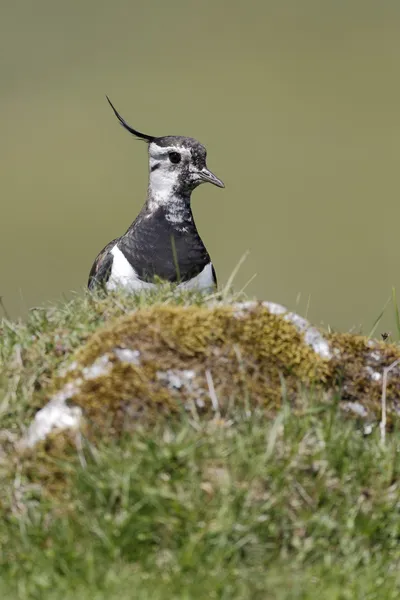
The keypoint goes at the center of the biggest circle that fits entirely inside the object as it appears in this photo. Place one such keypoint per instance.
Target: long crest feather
(141, 136)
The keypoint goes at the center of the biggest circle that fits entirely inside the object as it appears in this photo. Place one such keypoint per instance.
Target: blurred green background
(298, 103)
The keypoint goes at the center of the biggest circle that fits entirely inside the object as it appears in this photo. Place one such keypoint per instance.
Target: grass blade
(379, 318)
(396, 311)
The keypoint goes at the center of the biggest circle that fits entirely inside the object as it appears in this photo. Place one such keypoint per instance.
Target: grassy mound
(160, 359)
(157, 360)
(214, 458)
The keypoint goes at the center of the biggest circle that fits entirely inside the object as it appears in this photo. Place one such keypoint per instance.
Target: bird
(162, 243)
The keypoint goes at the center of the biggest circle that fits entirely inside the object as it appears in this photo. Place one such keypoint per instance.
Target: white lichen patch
(375, 356)
(101, 366)
(356, 408)
(56, 415)
(176, 378)
(312, 337)
(368, 429)
(128, 356)
(374, 375)
(183, 380)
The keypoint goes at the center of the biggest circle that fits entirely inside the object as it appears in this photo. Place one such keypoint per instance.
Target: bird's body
(150, 249)
(163, 242)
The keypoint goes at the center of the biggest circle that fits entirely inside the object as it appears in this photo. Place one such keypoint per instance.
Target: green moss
(357, 371)
(244, 356)
(52, 462)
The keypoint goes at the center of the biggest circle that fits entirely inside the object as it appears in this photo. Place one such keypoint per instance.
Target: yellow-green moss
(245, 355)
(357, 371)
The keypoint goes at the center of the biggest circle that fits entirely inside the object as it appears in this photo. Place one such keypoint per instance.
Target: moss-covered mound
(164, 359)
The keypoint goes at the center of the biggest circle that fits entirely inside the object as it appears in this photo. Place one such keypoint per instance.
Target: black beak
(207, 176)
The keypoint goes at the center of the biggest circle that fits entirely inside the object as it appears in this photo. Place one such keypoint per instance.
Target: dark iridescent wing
(101, 269)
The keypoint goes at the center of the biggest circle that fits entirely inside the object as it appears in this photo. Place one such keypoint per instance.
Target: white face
(176, 170)
(164, 173)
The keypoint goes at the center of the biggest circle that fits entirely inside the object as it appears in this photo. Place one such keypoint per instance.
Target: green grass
(301, 507)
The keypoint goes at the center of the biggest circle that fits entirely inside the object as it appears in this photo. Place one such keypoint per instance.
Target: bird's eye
(174, 157)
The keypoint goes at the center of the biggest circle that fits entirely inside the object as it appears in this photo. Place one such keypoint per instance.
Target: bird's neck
(174, 203)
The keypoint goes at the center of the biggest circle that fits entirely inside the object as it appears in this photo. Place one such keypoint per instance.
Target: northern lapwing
(163, 242)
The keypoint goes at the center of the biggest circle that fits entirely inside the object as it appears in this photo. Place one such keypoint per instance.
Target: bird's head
(177, 164)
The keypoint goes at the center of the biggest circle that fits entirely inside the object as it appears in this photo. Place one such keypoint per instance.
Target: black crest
(141, 136)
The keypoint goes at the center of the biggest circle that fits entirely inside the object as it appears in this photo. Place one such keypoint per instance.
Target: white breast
(124, 275)
(203, 281)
